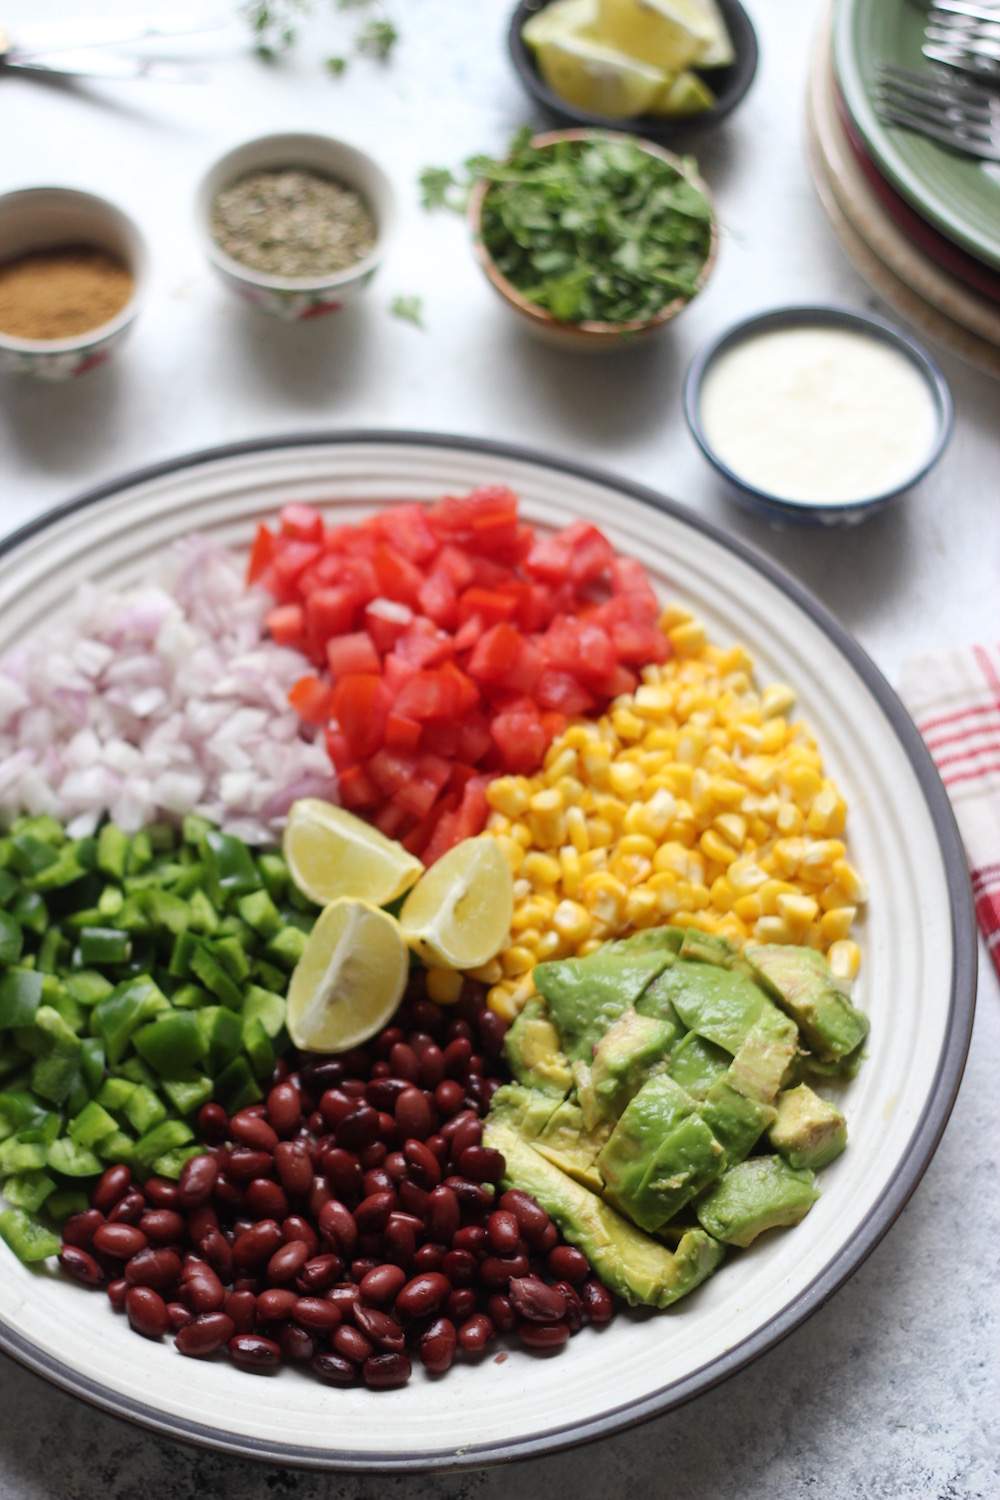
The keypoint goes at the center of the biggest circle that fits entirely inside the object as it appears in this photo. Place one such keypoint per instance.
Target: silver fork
(964, 34)
(959, 114)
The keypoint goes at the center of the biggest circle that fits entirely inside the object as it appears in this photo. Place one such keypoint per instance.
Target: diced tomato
(352, 653)
(622, 681)
(287, 625)
(468, 819)
(563, 692)
(489, 604)
(553, 723)
(519, 736)
(356, 788)
(423, 645)
(338, 749)
(591, 554)
(429, 695)
(329, 612)
(409, 531)
(420, 791)
(402, 733)
(360, 705)
(459, 567)
(504, 658)
(638, 644)
(302, 523)
(391, 770)
(310, 699)
(261, 553)
(398, 578)
(290, 560)
(438, 600)
(385, 621)
(396, 672)
(468, 634)
(440, 736)
(391, 820)
(473, 739)
(549, 557)
(468, 693)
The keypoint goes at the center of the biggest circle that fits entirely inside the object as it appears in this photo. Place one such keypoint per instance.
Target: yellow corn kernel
(517, 960)
(512, 852)
(771, 929)
(722, 894)
(827, 814)
(777, 698)
(787, 856)
(798, 911)
(594, 859)
(691, 746)
(769, 893)
(444, 985)
(596, 762)
(534, 912)
(627, 725)
(836, 923)
(833, 895)
(820, 856)
(604, 896)
(745, 875)
(541, 869)
(727, 791)
(630, 869)
(804, 782)
(637, 844)
(747, 908)
(699, 896)
(546, 818)
(522, 834)
(509, 795)
(588, 946)
(687, 638)
(500, 1000)
(600, 833)
(551, 945)
(625, 779)
(653, 700)
(772, 735)
(572, 921)
(612, 809)
(850, 881)
(529, 937)
(789, 819)
(560, 760)
(674, 614)
(761, 771)
(733, 828)
(716, 848)
(844, 959)
(579, 735)
(641, 907)
(576, 829)
(571, 873)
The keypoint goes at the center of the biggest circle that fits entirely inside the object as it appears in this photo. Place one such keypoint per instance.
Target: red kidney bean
(533, 1219)
(425, 1169)
(284, 1108)
(286, 1263)
(569, 1264)
(201, 1222)
(121, 1241)
(256, 1245)
(146, 1311)
(228, 1193)
(335, 1105)
(377, 1180)
(414, 1114)
(251, 1351)
(79, 1228)
(128, 1210)
(218, 1252)
(574, 1307)
(404, 1062)
(400, 1241)
(296, 1344)
(394, 1166)
(449, 1096)
(82, 1266)
(297, 1229)
(460, 1267)
(451, 1127)
(438, 1343)
(501, 1313)
(471, 1237)
(361, 1266)
(543, 1337)
(179, 1315)
(548, 1239)
(386, 1372)
(492, 1030)
(359, 1128)
(439, 1146)
(113, 1183)
(117, 1291)
(387, 1039)
(429, 1257)
(503, 1231)
(334, 1369)
(380, 1327)
(471, 1196)
(318, 1076)
(294, 1168)
(412, 1198)
(250, 1130)
(163, 1226)
(429, 1017)
(159, 1269)
(443, 1216)
(264, 1199)
(317, 1314)
(337, 1227)
(244, 1164)
(197, 1180)
(319, 1274)
(276, 1304)
(497, 1270)
(213, 1123)
(469, 1133)
(532, 1298)
(481, 1163)
(351, 1344)
(342, 1171)
(422, 1295)
(431, 1068)
(598, 1303)
(203, 1291)
(319, 1196)
(460, 1027)
(456, 1056)
(381, 1285)
(248, 1284)
(205, 1335)
(475, 1333)
(461, 1304)
(344, 1297)
(372, 1213)
(241, 1308)
(375, 1154)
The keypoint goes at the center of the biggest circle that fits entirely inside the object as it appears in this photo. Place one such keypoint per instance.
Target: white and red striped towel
(954, 697)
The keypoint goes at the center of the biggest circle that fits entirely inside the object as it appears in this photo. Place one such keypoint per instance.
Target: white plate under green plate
(917, 981)
(958, 194)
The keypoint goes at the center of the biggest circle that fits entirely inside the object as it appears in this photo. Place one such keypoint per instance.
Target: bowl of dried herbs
(594, 239)
(296, 223)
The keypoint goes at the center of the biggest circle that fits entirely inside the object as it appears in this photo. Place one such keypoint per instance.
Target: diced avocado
(736, 1121)
(808, 1131)
(801, 982)
(627, 1261)
(525, 1110)
(762, 1062)
(586, 995)
(568, 1144)
(695, 1064)
(719, 1004)
(659, 1155)
(709, 948)
(759, 1194)
(632, 1049)
(534, 1054)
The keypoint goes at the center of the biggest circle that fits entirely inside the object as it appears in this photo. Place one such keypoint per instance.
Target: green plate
(958, 194)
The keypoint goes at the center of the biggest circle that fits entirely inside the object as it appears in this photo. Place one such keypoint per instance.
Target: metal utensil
(77, 48)
(964, 34)
(957, 113)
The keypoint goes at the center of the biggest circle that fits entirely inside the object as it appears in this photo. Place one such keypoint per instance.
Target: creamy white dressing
(818, 414)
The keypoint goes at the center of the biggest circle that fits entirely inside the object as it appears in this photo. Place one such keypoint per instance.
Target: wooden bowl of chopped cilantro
(593, 238)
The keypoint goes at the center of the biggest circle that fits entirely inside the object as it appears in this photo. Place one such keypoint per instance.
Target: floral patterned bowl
(44, 218)
(294, 298)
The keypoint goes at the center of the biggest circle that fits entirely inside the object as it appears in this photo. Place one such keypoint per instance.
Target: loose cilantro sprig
(408, 310)
(274, 26)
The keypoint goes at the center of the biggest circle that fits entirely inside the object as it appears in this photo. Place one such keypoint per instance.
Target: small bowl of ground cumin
(296, 224)
(72, 270)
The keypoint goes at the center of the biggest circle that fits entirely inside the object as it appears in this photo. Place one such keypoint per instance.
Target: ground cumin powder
(56, 294)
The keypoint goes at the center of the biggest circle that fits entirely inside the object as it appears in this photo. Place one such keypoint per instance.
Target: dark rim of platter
(919, 1150)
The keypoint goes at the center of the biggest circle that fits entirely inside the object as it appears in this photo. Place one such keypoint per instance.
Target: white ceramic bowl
(45, 218)
(294, 298)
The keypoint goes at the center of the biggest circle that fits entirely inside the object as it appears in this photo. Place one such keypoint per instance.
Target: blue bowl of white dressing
(818, 414)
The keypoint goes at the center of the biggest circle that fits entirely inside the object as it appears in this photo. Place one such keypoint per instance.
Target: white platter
(917, 981)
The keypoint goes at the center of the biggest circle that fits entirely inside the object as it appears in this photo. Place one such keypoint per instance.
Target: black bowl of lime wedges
(656, 68)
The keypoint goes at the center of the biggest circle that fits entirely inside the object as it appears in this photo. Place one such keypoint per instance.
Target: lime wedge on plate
(458, 914)
(350, 978)
(596, 77)
(331, 853)
(667, 34)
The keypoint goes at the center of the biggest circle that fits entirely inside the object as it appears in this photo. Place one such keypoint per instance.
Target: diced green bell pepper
(231, 870)
(172, 1044)
(258, 1049)
(215, 978)
(156, 1142)
(188, 1094)
(104, 945)
(222, 1033)
(8, 887)
(29, 1240)
(65, 1201)
(87, 986)
(22, 1156)
(260, 913)
(20, 997)
(91, 1125)
(115, 1093)
(72, 1160)
(171, 1163)
(28, 1190)
(117, 1147)
(11, 938)
(264, 1006)
(31, 911)
(236, 1086)
(287, 947)
(144, 1109)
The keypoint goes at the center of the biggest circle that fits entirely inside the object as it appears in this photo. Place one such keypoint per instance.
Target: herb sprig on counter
(274, 25)
(597, 230)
